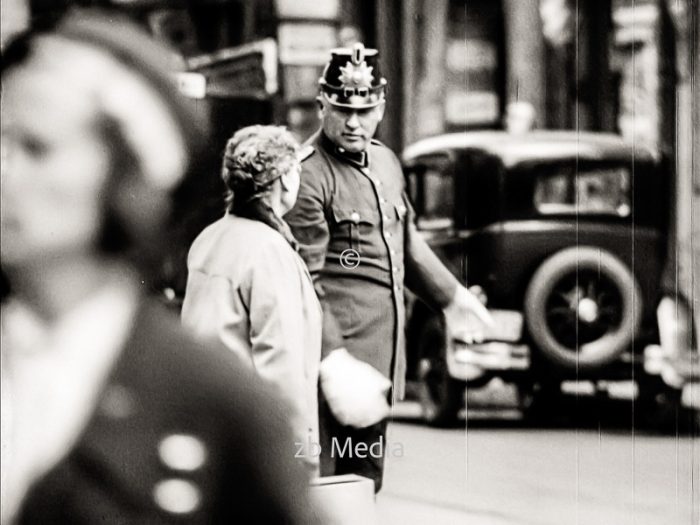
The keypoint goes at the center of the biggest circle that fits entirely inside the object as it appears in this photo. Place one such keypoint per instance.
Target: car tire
(441, 397)
(583, 308)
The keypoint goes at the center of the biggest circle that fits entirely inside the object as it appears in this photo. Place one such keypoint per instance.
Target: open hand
(466, 319)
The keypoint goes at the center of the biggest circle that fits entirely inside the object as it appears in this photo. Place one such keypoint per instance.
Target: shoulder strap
(305, 152)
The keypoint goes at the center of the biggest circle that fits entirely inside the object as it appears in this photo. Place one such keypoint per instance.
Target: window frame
(415, 174)
(573, 177)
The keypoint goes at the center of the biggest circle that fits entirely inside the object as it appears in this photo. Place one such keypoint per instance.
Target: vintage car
(563, 234)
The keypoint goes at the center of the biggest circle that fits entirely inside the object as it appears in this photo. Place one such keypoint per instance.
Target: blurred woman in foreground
(247, 286)
(111, 414)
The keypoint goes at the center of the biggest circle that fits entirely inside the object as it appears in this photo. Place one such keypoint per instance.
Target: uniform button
(388, 234)
(386, 217)
(177, 496)
(395, 268)
(182, 452)
(355, 217)
(382, 200)
(393, 252)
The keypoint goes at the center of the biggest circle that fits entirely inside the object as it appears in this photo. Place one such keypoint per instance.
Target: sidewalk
(397, 510)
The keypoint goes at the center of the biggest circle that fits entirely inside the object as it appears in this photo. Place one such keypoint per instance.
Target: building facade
(625, 66)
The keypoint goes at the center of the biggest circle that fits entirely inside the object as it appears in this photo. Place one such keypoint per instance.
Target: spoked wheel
(441, 396)
(583, 308)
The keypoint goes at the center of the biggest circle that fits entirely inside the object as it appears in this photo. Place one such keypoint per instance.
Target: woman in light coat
(248, 287)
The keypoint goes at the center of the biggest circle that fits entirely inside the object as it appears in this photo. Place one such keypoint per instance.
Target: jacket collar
(360, 160)
(116, 445)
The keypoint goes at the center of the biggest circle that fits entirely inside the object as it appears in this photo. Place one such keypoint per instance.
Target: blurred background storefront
(604, 65)
(624, 66)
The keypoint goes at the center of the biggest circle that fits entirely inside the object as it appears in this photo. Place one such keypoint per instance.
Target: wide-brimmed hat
(352, 78)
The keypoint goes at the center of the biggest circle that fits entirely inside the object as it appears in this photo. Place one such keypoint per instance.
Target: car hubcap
(582, 308)
(587, 310)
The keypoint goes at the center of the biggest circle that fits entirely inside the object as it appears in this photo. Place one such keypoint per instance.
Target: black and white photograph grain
(350, 262)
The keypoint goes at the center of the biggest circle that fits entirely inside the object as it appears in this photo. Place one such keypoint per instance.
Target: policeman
(354, 224)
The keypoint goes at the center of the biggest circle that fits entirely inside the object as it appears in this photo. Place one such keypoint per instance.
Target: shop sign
(308, 9)
(305, 44)
(471, 108)
(471, 55)
(247, 71)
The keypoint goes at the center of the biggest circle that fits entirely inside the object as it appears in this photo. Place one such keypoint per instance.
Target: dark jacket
(345, 204)
(165, 385)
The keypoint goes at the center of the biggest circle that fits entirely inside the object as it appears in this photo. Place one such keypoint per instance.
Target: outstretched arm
(430, 280)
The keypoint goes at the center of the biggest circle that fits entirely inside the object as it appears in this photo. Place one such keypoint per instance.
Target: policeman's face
(349, 128)
(54, 167)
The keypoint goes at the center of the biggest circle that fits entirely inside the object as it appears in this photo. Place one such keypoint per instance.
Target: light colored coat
(249, 289)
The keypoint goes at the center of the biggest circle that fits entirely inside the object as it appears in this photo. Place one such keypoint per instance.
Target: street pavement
(495, 470)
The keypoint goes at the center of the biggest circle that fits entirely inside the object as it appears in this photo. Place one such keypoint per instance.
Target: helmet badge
(356, 72)
(352, 78)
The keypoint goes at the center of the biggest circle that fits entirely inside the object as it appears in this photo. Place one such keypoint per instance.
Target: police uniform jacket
(181, 434)
(355, 227)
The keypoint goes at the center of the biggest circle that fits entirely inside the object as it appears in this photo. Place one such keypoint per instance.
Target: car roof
(533, 146)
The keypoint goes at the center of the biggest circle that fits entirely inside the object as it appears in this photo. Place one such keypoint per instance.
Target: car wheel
(441, 396)
(583, 308)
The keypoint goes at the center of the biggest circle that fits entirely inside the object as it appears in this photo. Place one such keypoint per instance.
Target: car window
(590, 190)
(431, 189)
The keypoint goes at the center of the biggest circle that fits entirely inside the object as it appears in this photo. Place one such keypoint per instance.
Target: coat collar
(359, 160)
(119, 445)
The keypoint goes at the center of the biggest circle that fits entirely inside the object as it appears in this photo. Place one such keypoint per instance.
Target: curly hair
(254, 158)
